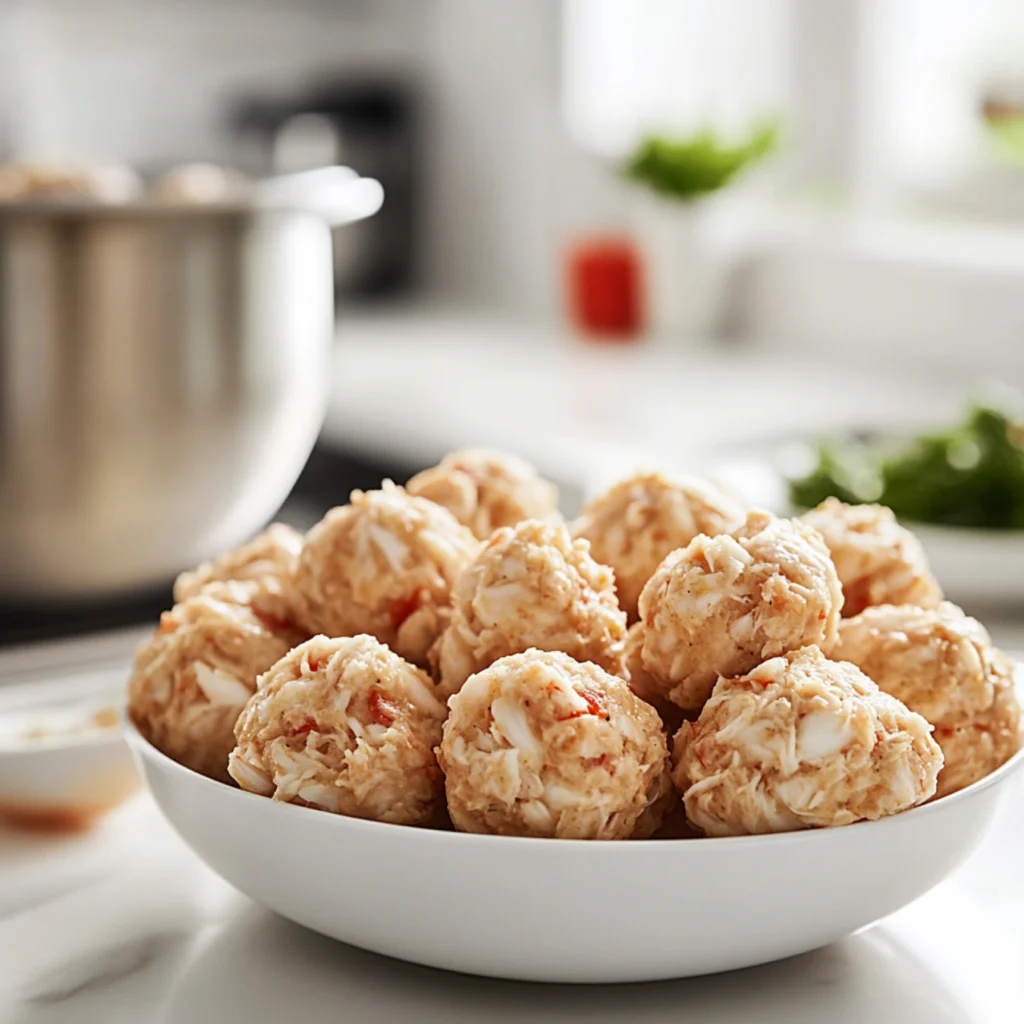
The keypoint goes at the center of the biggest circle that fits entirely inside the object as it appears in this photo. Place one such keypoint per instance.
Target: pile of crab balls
(453, 654)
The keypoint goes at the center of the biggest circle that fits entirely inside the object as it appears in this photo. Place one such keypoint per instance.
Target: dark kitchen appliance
(368, 124)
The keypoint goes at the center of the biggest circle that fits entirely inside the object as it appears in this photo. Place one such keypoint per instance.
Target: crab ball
(724, 604)
(878, 561)
(539, 744)
(938, 661)
(346, 726)
(193, 677)
(801, 742)
(642, 683)
(384, 565)
(635, 524)
(486, 490)
(941, 664)
(977, 747)
(531, 586)
(267, 562)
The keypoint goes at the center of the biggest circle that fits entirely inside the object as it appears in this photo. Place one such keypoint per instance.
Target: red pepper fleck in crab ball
(345, 726)
(539, 744)
(384, 565)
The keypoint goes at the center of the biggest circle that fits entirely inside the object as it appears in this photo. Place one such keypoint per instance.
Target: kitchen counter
(126, 924)
(407, 387)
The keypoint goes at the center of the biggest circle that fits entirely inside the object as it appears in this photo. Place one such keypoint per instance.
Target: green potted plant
(684, 252)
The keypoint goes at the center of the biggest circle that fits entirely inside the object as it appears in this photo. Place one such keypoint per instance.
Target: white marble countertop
(126, 924)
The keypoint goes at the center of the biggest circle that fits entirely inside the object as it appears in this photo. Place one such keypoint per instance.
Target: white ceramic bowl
(568, 911)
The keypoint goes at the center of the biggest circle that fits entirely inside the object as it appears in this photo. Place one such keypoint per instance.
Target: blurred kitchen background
(518, 289)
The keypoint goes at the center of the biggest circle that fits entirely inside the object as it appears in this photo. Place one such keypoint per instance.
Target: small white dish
(979, 566)
(569, 911)
(60, 768)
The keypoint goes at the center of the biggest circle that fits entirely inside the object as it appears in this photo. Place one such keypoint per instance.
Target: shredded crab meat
(531, 586)
(218, 687)
(723, 604)
(540, 744)
(942, 664)
(802, 742)
(878, 561)
(264, 567)
(487, 490)
(383, 565)
(191, 679)
(347, 726)
(634, 525)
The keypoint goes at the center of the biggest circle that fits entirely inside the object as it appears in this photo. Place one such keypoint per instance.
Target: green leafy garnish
(687, 168)
(972, 475)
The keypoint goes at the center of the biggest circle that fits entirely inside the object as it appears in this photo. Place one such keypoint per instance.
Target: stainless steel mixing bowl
(163, 377)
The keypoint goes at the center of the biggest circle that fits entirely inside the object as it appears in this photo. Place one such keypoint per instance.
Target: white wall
(672, 65)
(148, 80)
(496, 147)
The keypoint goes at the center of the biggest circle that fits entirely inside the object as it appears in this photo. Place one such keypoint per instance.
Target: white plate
(568, 911)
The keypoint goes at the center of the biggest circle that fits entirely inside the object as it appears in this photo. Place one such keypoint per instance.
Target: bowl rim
(145, 749)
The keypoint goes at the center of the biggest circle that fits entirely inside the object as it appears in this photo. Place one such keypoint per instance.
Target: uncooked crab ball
(724, 604)
(977, 747)
(878, 561)
(531, 586)
(539, 744)
(344, 725)
(802, 742)
(267, 563)
(635, 524)
(938, 661)
(486, 490)
(192, 678)
(941, 663)
(642, 683)
(385, 565)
